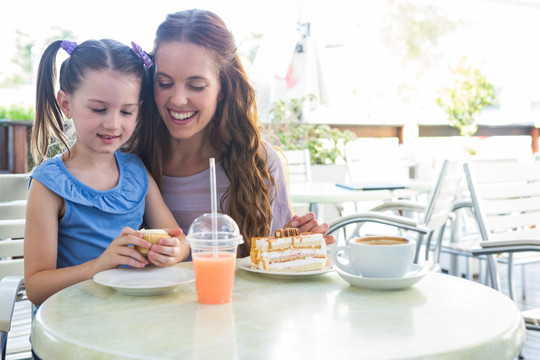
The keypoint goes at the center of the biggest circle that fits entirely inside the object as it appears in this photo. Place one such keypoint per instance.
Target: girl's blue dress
(93, 219)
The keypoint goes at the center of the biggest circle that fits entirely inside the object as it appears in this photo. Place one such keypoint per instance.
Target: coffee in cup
(381, 240)
(376, 256)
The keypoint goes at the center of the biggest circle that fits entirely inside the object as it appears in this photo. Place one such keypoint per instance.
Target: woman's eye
(165, 85)
(197, 87)
(125, 112)
(98, 110)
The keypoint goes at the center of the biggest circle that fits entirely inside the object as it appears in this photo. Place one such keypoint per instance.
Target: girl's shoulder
(132, 165)
(49, 169)
(129, 158)
(129, 192)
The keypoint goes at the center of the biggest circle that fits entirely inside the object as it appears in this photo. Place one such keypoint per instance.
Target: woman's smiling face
(186, 88)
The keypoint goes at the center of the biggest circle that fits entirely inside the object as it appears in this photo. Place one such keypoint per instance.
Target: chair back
(15, 311)
(506, 199)
(13, 187)
(443, 195)
(299, 165)
(13, 194)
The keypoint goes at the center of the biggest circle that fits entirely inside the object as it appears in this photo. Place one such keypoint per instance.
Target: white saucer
(415, 274)
(146, 281)
(245, 264)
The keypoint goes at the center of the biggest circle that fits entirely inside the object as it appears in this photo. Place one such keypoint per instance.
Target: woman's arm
(308, 223)
(157, 215)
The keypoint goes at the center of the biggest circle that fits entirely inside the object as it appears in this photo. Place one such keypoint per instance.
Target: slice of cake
(289, 251)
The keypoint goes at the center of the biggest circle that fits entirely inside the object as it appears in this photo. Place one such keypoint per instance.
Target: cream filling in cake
(304, 252)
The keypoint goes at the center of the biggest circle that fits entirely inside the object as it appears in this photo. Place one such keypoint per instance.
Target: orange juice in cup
(214, 239)
(214, 276)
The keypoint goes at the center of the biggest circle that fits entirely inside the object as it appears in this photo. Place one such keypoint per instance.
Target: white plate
(245, 264)
(146, 281)
(415, 274)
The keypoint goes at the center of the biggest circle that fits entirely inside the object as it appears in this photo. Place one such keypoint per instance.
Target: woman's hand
(308, 223)
(120, 253)
(169, 251)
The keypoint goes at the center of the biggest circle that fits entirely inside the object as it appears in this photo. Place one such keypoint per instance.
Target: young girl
(85, 205)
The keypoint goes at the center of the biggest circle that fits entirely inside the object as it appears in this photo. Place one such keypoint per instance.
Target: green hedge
(17, 112)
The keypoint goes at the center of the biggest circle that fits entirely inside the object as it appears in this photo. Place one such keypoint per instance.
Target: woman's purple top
(189, 196)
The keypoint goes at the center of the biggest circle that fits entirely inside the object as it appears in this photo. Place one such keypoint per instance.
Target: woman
(198, 104)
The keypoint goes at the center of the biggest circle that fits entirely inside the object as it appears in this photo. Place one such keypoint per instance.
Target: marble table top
(321, 317)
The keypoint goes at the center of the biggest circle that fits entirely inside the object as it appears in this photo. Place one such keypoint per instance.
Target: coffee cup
(376, 256)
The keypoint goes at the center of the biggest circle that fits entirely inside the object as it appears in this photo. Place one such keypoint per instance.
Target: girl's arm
(42, 278)
(157, 215)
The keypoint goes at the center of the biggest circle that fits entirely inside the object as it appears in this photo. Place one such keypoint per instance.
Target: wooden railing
(527, 129)
(14, 137)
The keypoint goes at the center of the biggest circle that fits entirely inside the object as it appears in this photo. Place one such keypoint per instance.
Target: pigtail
(48, 124)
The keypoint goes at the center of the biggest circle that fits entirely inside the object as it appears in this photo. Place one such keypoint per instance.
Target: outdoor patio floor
(532, 300)
(531, 350)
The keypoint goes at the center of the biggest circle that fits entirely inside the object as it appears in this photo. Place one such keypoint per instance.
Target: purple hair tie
(142, 54)
(69, 46)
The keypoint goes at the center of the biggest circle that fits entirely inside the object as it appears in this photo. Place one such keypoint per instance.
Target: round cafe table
(322, 317)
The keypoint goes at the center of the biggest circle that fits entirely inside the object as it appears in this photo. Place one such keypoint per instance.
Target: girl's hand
(120, 253)
(308, 223)
(169, 251)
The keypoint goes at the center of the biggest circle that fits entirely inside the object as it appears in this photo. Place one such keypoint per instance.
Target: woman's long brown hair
(233, 130)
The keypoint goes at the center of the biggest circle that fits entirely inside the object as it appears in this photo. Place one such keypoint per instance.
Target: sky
(129, 20)
(357, 68)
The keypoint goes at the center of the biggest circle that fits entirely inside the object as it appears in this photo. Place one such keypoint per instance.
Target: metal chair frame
(432, 216)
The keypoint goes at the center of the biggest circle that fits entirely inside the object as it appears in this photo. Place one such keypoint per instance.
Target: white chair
(432, 217)
(298, 170)
(299, 165)
(505, 198)
(463, 234)
(15, 309)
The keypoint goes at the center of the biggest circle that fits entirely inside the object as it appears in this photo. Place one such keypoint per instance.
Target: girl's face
(186, 88)
(104, 109)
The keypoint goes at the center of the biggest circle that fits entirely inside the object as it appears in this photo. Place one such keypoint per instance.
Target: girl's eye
(98, 110)
(125, 112)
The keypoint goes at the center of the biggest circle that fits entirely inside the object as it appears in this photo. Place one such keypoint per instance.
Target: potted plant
(325, 144)
(463, 101)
